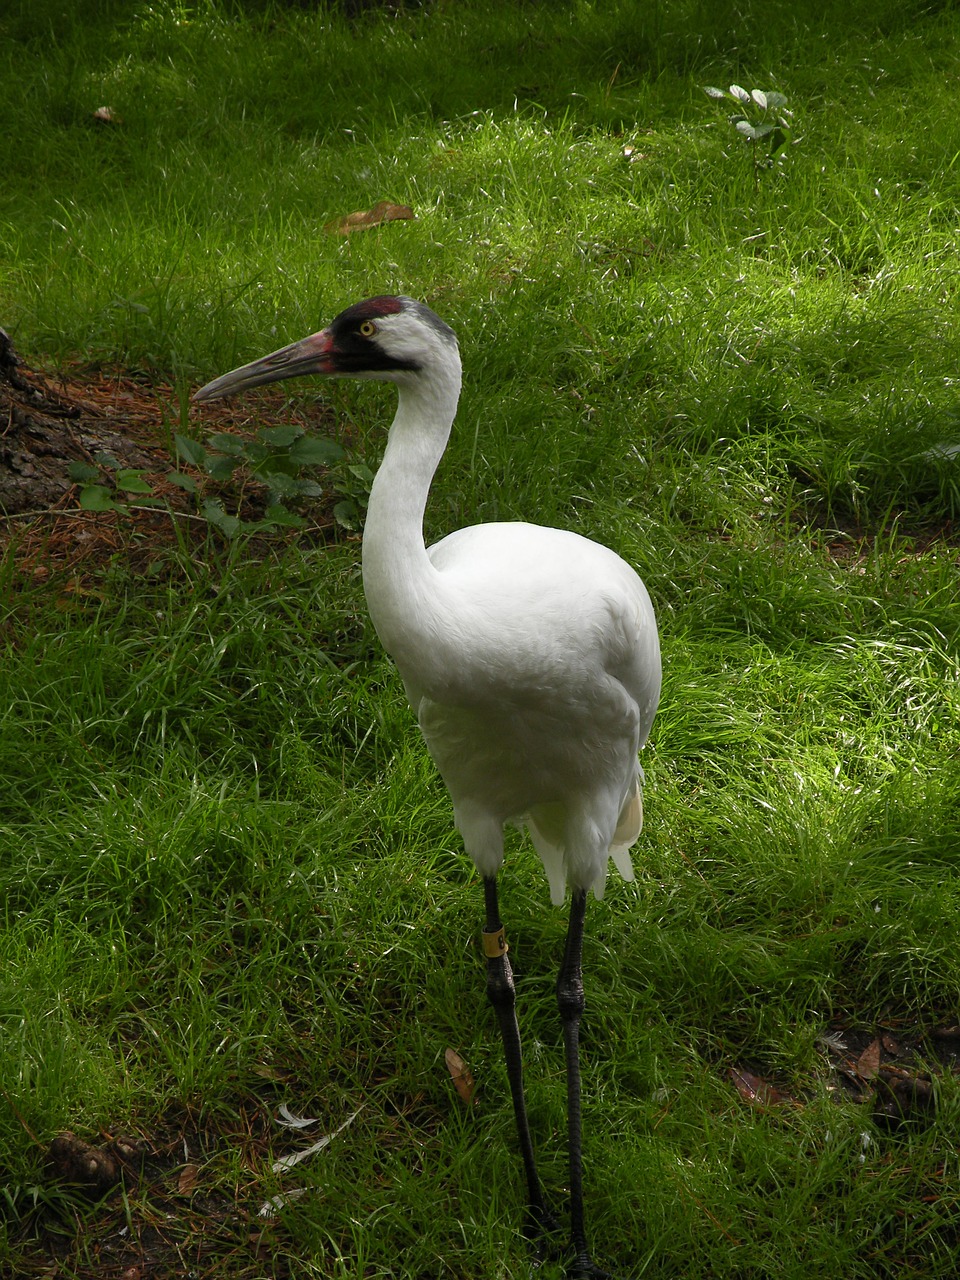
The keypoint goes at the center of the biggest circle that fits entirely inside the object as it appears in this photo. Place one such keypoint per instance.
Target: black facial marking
(354, 353)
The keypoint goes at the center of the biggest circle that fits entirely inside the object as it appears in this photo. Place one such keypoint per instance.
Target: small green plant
(352, 481)
(122, 484)
(277, 457)
(759, 117)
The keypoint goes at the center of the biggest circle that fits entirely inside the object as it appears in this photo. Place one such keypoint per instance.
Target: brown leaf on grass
(901, 1098)
(267, 1072)
(462, 1078)
(188, 1179)
(362, 219)
(868, 1064)
(754, 1089)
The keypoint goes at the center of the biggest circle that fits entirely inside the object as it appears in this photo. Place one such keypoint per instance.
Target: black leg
(502, 995)
(570, 1001)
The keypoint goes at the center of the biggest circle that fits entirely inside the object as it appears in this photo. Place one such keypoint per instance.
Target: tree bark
(42, 431)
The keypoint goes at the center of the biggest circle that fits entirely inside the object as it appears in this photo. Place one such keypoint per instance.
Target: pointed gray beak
(309, 355)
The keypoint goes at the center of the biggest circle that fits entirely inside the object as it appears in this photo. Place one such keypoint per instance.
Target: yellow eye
(368, 328)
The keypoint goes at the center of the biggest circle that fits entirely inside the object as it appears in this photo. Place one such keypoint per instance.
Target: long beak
(309, 355)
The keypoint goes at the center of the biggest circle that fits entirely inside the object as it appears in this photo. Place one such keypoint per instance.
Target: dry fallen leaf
(755, 1090)
(462, 1078)
(266, 1072)
(901, 1098)
(868, 1064)
(382, 211)
(188, 1179)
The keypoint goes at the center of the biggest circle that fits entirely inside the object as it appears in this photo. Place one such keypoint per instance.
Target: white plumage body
(529, 654)
(537, 703)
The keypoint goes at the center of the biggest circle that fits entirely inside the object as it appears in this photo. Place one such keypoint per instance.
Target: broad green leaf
(220, 467)
(223, 442)
(777, 139)
(280, 437)
(775, 99)
(282, 483)
(741, 95)
(760, 98)
(191, 451)
(214, 512)
(712, 92)
(277, 513)
(96, 497)
(82, 472)
(133, 482)
(106, 460)
(185, 482)
(275, 464)
(754, 132)
(255, 453)
(346, 515)
(315, 450)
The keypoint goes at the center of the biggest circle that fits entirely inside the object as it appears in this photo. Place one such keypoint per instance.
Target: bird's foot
(584, 1268)
(541, 1229)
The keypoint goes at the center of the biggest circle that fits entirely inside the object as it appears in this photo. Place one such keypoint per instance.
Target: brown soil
(80, 415)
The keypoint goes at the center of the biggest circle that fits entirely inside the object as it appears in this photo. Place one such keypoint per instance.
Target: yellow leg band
(494, 943)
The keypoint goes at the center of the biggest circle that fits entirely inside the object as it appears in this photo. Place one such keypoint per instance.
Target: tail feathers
(628, 829)
(629, 824)
(551, 855)
(546, 833)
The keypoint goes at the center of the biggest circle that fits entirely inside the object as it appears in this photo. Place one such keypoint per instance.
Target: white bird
(530, 656)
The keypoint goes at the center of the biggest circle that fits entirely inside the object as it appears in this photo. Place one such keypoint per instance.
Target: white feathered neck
(404, 591)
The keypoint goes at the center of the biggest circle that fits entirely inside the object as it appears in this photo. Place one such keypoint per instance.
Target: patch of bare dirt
(48, 422)
(183, 1200)
(894, 1069)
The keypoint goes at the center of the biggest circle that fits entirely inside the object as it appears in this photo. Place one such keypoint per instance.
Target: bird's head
(389, 339)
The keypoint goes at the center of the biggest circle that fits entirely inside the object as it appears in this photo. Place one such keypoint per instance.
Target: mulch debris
(48, 420)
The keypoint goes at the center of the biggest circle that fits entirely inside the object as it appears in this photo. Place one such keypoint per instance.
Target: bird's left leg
(570, 1000)
(502, 995)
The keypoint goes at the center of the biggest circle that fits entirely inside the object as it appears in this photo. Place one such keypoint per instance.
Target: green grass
(228, 872)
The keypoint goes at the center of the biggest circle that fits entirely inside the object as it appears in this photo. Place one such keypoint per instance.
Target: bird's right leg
(502, 995)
